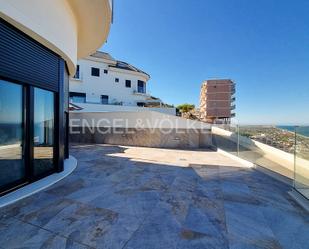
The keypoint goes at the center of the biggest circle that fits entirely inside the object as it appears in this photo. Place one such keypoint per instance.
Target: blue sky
(263, 45)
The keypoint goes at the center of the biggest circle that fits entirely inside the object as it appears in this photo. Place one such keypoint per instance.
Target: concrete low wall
(93, 107)
(149, 129)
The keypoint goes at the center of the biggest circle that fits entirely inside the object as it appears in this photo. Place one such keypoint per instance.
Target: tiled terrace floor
(153, 198)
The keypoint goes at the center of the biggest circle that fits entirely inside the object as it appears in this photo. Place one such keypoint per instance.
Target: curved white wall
(50, 22)
(61, 25)
(93, 20)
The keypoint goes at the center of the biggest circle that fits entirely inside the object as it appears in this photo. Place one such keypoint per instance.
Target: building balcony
(136, 92)
(233, 90)
(233, 107)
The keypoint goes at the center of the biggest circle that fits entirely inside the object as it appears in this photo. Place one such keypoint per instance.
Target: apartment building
(217, 101)
(40, 42)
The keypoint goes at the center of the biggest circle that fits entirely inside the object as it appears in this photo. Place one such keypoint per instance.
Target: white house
(101, 79)
(102, 83)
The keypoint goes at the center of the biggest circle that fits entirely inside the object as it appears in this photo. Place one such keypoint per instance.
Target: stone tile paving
(152, 198)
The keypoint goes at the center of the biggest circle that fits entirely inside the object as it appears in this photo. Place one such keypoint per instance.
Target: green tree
(185, 107)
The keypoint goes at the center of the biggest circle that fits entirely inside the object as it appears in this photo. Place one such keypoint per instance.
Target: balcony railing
(233, 90)
(140, 92)
(279, 150)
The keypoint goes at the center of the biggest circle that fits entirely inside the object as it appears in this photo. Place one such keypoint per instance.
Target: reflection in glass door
(12, 165)
(43, 132)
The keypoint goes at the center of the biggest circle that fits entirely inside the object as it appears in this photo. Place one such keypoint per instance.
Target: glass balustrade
(301, 174)
(280, 149)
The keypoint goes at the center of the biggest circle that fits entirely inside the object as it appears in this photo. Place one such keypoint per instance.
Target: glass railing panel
(224, 137)
(280, 149)
(301, 180)
(269, 147)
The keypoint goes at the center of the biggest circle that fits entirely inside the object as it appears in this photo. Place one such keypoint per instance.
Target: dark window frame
(141, 86)
(140, 104)
(77, 73)
(104, 97)
(95, 71)
(128, 84)
(117, 80)
(105, 71)
(77, 94)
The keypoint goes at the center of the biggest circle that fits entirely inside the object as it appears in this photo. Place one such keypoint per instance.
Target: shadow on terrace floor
(121, 197)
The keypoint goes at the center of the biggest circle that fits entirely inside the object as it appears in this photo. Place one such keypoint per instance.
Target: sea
(302, 130)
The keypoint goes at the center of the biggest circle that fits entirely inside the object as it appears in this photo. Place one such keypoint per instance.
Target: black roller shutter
(25, 60)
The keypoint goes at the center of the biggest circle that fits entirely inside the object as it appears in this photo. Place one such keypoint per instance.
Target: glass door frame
(55, 141)
(25, 142)
(27, 136)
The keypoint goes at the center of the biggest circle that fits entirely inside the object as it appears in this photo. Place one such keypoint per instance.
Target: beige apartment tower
(217, 101)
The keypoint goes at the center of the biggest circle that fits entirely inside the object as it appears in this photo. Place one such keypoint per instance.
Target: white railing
(92, 107)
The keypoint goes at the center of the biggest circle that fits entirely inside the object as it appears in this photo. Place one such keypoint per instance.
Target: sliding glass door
(27, 134)
(12, 161)
(44, 130)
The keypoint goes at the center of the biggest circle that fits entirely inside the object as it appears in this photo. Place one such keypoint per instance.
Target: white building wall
(64, 26)
(41, 20)
(105, 84)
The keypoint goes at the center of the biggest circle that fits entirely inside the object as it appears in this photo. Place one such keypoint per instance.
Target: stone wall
(203, 103)
(160, 138)
(149, 129)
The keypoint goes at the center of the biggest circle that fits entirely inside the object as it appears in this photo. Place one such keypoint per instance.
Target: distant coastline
(302, 130)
